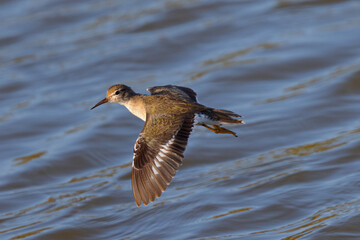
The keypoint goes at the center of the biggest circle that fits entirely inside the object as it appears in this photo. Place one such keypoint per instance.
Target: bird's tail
(224, 116)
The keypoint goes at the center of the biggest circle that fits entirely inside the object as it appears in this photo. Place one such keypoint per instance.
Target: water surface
(291, 68)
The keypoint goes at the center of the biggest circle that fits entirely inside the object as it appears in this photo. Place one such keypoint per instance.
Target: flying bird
(169, 113)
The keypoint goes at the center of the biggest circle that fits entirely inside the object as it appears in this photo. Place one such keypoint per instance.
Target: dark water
(291, 68)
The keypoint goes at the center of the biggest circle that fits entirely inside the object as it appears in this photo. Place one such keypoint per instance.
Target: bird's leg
(206, 126)
(218, 129)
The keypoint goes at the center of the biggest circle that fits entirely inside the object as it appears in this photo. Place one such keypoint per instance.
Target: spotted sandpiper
(170, 113)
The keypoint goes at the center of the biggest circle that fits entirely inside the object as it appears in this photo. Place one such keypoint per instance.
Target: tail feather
(226, 116)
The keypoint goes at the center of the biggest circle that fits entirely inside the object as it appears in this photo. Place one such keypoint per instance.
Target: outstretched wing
(174, 91)
(158, 153)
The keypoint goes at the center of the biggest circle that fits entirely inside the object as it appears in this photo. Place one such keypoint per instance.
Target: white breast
(137, 109)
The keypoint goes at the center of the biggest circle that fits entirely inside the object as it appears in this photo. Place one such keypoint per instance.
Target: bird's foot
(218, 129)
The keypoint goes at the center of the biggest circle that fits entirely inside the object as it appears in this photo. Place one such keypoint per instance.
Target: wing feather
(158, 155)
(174, 91)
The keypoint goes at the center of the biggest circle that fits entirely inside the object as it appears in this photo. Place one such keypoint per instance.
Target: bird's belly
(204, 119)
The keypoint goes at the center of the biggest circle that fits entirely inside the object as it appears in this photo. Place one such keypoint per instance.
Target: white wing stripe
(157, 164)
(159, 159)
(154, 170)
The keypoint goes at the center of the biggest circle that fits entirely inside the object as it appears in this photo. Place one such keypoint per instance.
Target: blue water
(291, 68)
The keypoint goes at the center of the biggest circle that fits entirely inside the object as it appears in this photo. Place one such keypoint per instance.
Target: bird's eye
(117, 92)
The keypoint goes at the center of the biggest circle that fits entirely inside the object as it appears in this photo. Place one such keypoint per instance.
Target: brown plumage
(170, 113)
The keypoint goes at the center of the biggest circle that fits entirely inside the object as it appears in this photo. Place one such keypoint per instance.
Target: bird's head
(118, 93)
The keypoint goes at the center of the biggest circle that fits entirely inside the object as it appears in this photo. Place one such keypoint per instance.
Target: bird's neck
(136, 106)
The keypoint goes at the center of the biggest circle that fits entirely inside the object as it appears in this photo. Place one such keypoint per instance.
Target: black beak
(99, 103)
